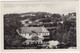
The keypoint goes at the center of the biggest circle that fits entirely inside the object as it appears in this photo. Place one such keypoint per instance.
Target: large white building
(34, 34)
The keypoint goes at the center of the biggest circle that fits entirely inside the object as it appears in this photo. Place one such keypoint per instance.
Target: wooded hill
(64, 32)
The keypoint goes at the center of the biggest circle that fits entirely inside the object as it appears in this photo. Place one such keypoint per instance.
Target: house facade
(34, 34)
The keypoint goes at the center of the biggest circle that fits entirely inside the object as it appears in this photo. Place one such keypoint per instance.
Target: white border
(39, 0)
(46, 51)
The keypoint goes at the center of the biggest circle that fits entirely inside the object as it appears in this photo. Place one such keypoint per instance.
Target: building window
(38, 33)
(29, 34)
(29, 42)
(37, 42)
(43, 33)
(48, 33)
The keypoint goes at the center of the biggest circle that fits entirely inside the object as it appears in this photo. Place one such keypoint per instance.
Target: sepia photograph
(39, 25)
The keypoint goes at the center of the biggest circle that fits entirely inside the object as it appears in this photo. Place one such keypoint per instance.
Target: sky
(50, 7)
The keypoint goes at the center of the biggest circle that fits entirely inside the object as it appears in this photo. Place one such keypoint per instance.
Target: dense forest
(63, 32)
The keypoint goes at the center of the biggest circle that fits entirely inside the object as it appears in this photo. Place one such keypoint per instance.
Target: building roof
(30, 29)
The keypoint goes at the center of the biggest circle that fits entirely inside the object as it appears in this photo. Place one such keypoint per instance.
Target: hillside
(63, 32)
